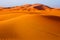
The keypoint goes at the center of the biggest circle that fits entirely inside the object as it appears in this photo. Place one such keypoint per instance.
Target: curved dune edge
(30, 27)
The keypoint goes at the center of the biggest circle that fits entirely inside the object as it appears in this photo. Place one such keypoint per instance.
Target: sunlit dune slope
(30, 22)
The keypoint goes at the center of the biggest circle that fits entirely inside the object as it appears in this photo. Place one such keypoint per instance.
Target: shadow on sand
(54, 18)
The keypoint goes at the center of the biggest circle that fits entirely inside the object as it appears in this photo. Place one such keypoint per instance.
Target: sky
(8, 3)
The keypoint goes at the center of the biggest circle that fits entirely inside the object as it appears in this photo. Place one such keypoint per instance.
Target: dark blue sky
(7, 3)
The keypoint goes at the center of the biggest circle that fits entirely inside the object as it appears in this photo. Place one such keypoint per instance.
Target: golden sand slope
(30, 23)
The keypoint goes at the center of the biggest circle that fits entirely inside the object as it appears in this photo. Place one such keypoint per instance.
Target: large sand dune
(30, 22)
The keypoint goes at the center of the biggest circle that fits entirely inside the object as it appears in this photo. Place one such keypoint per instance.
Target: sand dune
(30, 22)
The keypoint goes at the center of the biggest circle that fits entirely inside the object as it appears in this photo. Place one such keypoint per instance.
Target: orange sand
(30, 24)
